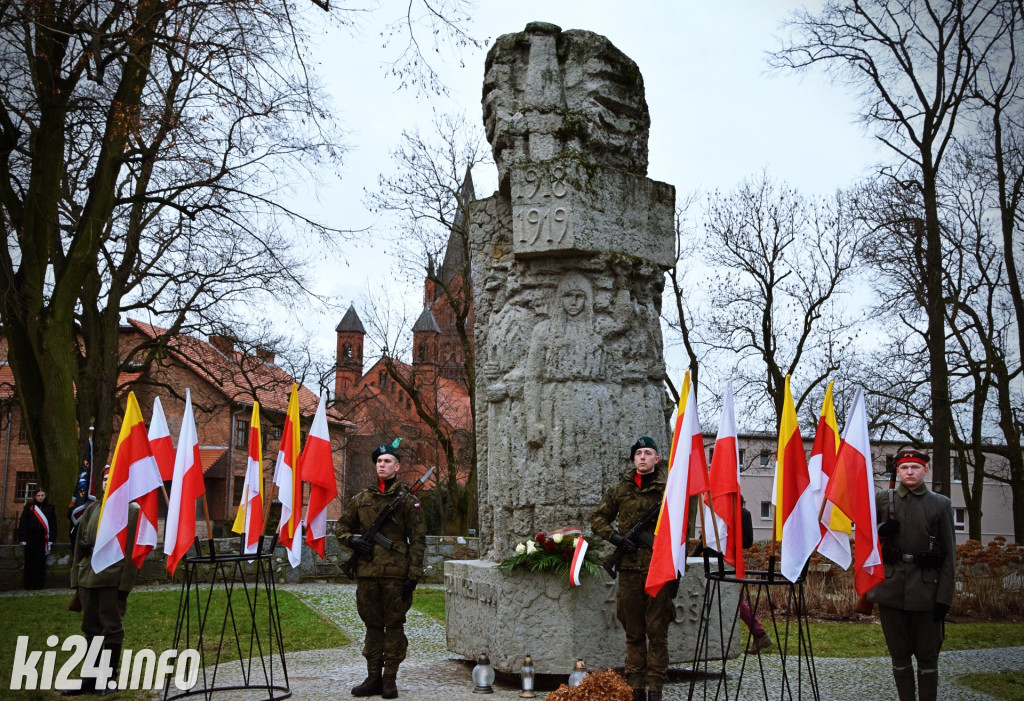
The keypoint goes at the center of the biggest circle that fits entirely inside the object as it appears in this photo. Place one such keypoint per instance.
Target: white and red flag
(835, 526)
(724, 484)
(796, 512)
(852, 490)
(133, 476)
(687, 476)
(186, 486)
(286, 477)
(249, 519)
(160, 441)
(578, 556)
(317, 468)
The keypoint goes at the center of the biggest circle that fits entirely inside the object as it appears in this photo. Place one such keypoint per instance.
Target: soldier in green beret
(385, 579)
(644, 618)
(919, 555)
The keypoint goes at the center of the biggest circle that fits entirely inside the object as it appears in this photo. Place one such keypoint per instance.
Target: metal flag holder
(795, 678)
(247, 622)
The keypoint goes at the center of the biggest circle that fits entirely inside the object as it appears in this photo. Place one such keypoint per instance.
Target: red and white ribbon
(577, 561)
(41, 517)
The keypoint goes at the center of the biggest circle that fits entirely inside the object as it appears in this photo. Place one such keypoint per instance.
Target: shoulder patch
(416, 505)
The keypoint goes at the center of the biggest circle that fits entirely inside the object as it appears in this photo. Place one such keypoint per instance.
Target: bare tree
(431, 195)
(914, 63)
(144, 151)
(779, 262)
(980, 314)
(681, 318)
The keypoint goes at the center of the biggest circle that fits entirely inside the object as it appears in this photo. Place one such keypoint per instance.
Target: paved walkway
(431, 673)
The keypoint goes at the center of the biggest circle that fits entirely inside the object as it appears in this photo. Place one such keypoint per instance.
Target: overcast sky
(717, 114)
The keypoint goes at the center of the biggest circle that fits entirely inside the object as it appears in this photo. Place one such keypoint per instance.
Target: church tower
(425, 341)
(349, 359)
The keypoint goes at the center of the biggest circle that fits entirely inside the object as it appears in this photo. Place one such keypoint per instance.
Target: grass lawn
(866, 640)
(149, 623)
(430, 602)
(1008, 684)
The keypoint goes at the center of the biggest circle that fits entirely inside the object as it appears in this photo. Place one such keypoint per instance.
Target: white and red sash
(41, 517)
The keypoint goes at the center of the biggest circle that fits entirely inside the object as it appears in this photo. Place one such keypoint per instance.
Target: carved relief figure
(566, 391)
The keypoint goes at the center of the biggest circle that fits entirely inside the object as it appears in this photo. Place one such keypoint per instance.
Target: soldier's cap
(106, 471)
(642, 442)
(385, 449)
(908, 455)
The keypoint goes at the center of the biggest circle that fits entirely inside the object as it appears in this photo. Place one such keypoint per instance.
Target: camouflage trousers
(645, 620)
(382, 610)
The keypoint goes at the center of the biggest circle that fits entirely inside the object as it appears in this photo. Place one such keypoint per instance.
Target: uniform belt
(907, 557)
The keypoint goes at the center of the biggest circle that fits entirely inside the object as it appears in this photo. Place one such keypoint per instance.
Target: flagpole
(266, 511)
(821, 511)
(209, 528)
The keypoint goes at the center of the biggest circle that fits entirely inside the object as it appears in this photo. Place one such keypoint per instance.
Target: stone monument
(568, 270)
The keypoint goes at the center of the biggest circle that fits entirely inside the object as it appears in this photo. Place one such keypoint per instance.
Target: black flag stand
(796, 677)
(235, 612)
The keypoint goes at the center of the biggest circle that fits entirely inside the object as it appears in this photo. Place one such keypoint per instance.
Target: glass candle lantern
(579, 672)
(483, 675)
(528, 674)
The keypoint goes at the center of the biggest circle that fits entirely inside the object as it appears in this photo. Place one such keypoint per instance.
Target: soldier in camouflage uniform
(644, 618)
(919, 554)
(103, 595)
(385, 583)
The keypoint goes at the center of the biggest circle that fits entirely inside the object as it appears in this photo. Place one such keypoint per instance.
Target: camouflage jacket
(121, 574)
(406, 529)
(627, 503)
(923, 516)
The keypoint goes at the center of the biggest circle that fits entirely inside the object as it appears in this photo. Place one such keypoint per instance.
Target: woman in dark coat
(38, 531)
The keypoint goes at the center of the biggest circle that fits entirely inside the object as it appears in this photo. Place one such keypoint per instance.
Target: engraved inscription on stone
(541, 212)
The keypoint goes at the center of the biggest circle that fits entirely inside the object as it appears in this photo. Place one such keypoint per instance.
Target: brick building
(224, 383)
(381, 409)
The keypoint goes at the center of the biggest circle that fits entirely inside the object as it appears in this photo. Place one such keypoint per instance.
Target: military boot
(905, 684)
(928, 685)
(115, 660)
(389, 686)
(653, 695)
(371, 686)
(639, 694)
(88, 687)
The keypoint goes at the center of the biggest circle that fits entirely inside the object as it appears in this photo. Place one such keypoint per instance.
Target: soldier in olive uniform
(644, 618)
(385, 583)
(104, 595)
(919, 554)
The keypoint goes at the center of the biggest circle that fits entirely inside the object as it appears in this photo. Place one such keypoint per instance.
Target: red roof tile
(240, 377)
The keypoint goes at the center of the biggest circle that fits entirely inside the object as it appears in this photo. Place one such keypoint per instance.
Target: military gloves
(361, 547)
(939, 612)
(620, 541)
(408, 587)
(889, 528)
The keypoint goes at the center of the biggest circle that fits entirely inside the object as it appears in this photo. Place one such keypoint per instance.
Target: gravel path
(431, 673)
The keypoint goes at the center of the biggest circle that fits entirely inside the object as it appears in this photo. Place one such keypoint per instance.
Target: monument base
(510, 615)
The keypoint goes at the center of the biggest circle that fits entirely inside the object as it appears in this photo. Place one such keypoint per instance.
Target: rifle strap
(892, 505)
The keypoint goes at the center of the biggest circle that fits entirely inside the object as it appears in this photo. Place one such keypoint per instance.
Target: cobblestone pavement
(431, 673)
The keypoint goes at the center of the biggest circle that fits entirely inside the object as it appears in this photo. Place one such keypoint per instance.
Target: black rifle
(373, 534)
(635, 536)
